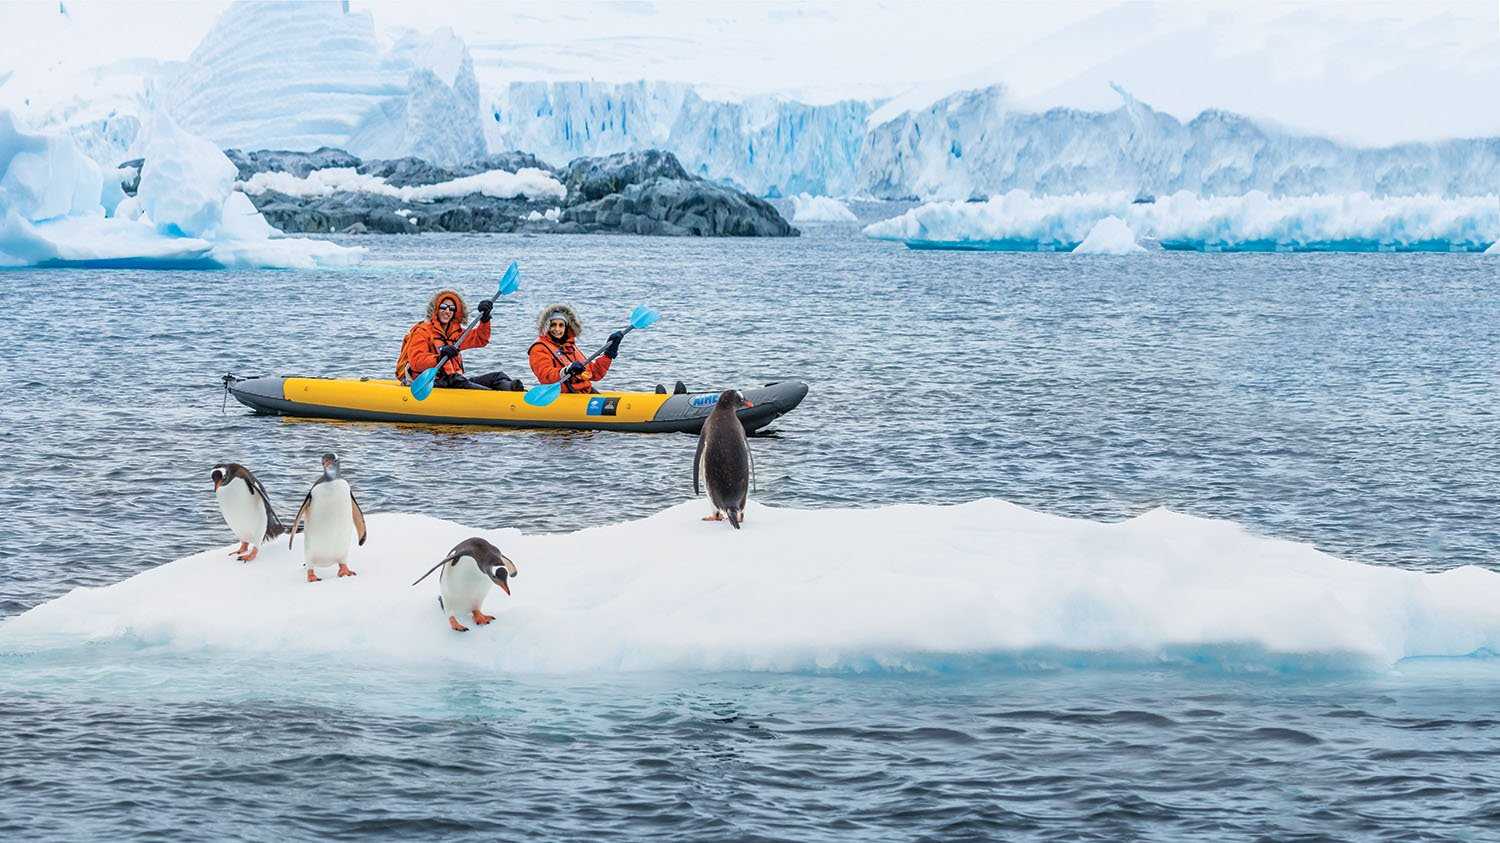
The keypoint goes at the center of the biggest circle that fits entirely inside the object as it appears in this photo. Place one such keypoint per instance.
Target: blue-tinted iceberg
(807, 208)
(1109, 236)
(1254, 222)
(55, 210)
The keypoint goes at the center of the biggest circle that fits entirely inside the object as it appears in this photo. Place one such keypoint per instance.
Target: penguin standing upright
(332, 515)
(246, 508)
(468, 571)
(723, 460)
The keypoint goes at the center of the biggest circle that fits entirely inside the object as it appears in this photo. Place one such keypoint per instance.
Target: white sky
(1371, 72)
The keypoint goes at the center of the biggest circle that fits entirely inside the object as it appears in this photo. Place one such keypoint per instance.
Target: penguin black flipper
(359, 518)
(698, 462)
(447, 560)
(297, 522)
(274, 527)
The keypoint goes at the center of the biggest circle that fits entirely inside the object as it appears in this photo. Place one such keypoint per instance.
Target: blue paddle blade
(510, 281)
(421, 385)
(543, 394)
(643, 317)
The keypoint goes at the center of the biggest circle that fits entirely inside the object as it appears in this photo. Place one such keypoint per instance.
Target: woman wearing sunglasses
(435, 342)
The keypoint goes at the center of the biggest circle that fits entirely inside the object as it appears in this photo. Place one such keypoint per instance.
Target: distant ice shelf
(1254, 222)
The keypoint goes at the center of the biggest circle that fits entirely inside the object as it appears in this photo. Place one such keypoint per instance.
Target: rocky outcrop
(678, 208)
(629, 193)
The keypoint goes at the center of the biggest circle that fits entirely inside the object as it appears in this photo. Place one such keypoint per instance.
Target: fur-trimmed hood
(460, 315)
(575, 325)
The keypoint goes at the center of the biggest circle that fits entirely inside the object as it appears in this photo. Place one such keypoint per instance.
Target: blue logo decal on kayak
(705, 401)
(601, 406)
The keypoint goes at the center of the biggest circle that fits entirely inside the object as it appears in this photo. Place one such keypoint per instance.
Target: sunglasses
(447, 306)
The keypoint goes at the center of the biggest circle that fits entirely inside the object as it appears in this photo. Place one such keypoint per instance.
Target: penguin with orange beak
(246, 509)
(468, 571)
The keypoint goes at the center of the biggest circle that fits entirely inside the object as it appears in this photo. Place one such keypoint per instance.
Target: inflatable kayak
(370, 399)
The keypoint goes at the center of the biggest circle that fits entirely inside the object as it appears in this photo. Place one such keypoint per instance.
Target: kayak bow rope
(421, 385)
(540, 396)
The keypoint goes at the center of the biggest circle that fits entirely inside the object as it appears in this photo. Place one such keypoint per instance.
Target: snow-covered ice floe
(907, 587)
(529, 182)
(1254, 222)
(807, 208)
(56, 209)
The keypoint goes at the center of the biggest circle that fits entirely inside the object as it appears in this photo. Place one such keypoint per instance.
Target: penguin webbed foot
(345, 572)
(239, 552)
(250, 556)
(717, 516)
(455, 625)
(312, 576)
(481, 618)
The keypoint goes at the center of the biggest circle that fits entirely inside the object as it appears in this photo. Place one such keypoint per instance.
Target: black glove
(573, 370)
(447, 352)
(484, 310)
(613, 348)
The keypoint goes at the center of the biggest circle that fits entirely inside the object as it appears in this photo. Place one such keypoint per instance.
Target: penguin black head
(224, 472)
(500, 570)
(733, 399)
(330, 466)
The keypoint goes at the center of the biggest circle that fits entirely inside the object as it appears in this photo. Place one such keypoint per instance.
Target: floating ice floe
(897, 588)
(1109, 236)
(807, 208)
(1254, 222)
(528, 182)
(55, 209)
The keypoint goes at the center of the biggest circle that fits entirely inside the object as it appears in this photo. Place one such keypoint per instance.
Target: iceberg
(55, 209)
(799, 590)
(808, 208)
(1254, 222)
(1494, 248)
(1109, 236)
(529, 182)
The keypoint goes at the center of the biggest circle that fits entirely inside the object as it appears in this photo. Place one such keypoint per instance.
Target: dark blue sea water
(1348, 401)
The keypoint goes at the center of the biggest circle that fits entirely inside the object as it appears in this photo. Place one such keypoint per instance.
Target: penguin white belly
(463, 587)
(243, 511)
(330, 524)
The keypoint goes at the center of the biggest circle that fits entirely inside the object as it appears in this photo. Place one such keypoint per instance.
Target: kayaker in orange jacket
(555, 355)
(435, 342)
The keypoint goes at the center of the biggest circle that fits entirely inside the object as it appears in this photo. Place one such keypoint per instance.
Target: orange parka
(419, 352)
(549, 357)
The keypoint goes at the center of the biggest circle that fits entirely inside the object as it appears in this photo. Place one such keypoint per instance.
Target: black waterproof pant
(490, 380)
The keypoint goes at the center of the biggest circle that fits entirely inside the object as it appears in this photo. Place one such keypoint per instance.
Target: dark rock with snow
(588, 179)
(298, 164)
(678, 207)
(645, 192)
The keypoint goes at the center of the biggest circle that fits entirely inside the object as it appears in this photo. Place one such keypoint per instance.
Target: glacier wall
(273, 75)
(970, 144)
(768, 145)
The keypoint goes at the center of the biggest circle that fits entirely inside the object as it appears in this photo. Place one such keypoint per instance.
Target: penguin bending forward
(246, 508)
(332, 515)
(468, 571)
(723, 460)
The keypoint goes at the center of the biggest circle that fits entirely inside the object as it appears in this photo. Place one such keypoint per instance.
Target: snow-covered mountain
(769, 145)
(309, 74)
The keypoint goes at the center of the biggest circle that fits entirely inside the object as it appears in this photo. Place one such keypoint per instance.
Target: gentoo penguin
(332, 516)
(724, 460)
(246, 508)
(468, 570)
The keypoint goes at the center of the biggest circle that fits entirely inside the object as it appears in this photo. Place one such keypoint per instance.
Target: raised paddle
(544, 394)
(421, 385)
